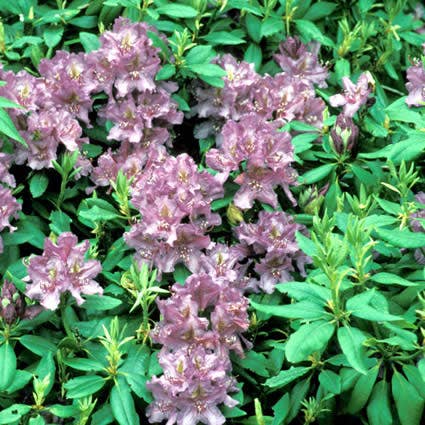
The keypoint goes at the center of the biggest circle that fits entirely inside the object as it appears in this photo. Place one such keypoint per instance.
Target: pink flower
(355, 95)
(301, 61)
(62, 268)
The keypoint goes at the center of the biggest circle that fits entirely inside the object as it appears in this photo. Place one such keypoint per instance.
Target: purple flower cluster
(201, 324)
(284, 97)
(9, 206)
(58, 103)
(62, 268)
(273, 239)
(266, 153)
(174, 200)
(416, 83)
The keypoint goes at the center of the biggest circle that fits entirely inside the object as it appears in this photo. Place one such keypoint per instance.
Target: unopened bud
(344, 135)
(234, 214)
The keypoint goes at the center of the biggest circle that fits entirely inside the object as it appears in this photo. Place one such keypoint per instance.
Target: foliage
(214, 210)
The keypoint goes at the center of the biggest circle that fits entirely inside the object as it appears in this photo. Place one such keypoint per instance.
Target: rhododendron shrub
(212, 213)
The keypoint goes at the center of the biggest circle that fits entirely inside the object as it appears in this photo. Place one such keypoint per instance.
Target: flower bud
(344, 135)
(312, 199)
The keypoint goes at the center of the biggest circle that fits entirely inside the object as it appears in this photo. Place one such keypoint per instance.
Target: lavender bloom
(5, 176)
(234, 99)
(355, 95)
(273, 236)
(268, 154)
(201, 323)
(169, 192)
(62, 268)
(194, 383)
(301, 61)
(9, 208)
(127, 54)
(67, 81)
(416, 84)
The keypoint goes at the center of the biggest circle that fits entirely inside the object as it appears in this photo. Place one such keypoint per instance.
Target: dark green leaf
(351, 341)
(408, 402)
(330, 381)
(37, 344)
(166, 72)
(122, 404)
(13, 413)
(286, 376)
(316, 174)
(379, 408)
(8, 366)
(362, 391)
(38, 184)
(89, 41)
(83, 386)
(300, 310)
(308, 339)
(175, 10)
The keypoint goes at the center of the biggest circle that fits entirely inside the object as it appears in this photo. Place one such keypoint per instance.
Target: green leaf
(408, 402)
(255, 362)
(297, 395)
(137, 382)
(52, 36)
(271, 26)
(253, 26)
(166, 72)
(21, 378)
(309, 31)
(8, 128)
(175, 10)
(64, 411)
(392, 279)
(379, 408)
(86, 365)
(89, 41)
(301, 310)
(402, 238)
(351, 341)
(13, 413)
(103, 416)
(330, 381)
(38, 420)
(306, 244)
(37, 344)
(286, 376)
(305, 291)
(421, 368)
(46, 367)
(281, 409)
(207, 69)
(8, 366)
(407, 150)
(253, 55)
(38, 184)
(362, 391)
(83, 386)
(308, 339)
(199, 54)
(415, 378)
(100, 302)
(359, 306)
(223, 38)
(59, 222)
(316, 174)
(320, 10)
(122, 404)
